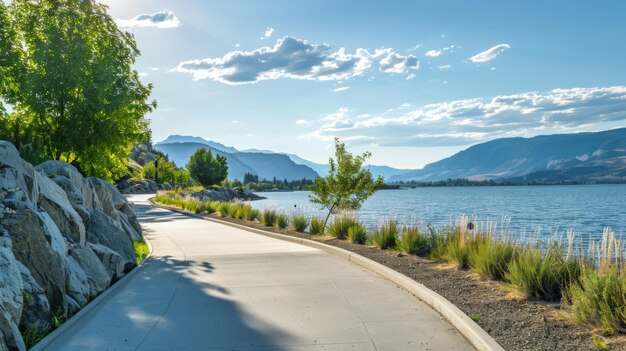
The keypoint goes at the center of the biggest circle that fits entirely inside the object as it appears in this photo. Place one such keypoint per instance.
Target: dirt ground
(515, 322)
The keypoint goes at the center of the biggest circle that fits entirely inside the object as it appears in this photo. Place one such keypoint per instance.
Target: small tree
(347, 184)
(206, 169)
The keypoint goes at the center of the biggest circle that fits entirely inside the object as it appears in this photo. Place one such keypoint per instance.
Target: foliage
(299, 222)
(162, 170)
(542, 275)
(316, 227)
(347, 184)
(438, 243)
(412, 242)
(599, 298)
(357, 233)
(9, 58)
(32, 336)
(141, 251)
(387, 235)
(491, 258)
(268, 217)
(223, 209)
(338, 228)
(281, 221)
(78, 84)
(206, 169)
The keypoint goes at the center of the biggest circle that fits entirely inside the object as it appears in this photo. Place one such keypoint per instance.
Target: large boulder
(97, 275)
(54, 201)
(16, 174)
(78, 287)
(108, 200)
(112, 261)
(31, 247)
(105, 231)
(10, 296)
(36, 312)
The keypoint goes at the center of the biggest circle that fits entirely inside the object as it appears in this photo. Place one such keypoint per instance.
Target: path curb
(50, 338)
(466, 326)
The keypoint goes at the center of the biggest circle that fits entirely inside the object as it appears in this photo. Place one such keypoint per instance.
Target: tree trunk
(328, 215)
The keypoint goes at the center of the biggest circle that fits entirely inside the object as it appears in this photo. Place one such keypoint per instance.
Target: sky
(411, 81)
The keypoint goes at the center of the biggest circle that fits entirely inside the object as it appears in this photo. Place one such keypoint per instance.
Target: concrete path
(210, 286)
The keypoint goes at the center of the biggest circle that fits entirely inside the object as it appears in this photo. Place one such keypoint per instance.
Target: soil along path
(212, 286)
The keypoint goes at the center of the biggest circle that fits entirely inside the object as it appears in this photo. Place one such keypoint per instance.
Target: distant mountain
(322, 169)
(582, 156)
(265, 165)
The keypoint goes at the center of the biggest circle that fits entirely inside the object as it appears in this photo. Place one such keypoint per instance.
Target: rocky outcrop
(140, 187)
(64, 239)
(224, 194)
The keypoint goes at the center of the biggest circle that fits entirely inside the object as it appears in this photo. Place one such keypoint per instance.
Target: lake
(525, 210)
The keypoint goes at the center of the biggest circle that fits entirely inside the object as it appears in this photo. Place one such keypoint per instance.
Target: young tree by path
(206, 169)
(347, 184)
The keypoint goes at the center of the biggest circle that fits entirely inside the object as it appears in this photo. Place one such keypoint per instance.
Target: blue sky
(413, 81)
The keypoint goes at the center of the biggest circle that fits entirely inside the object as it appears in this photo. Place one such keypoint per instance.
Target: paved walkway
(210, 286)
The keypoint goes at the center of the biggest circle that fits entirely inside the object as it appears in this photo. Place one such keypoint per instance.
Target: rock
(54, 201)
(31, 247)
(109, 205)
(112, 261)
(132, 217)
(10, 332)
(15, 173)
(139, 187)
(97, 275)
(36, 311)
(128, 228)
(104, 231)
(77, 286)
(223, 194)
(10, 279)
(72, 306)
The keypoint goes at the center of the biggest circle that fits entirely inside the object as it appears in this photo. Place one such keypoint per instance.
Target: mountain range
(582, 157)
(597, 156)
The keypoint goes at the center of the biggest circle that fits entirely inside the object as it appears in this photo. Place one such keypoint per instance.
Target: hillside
(594, 156)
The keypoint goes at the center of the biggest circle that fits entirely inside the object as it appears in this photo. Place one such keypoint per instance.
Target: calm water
(586, 209)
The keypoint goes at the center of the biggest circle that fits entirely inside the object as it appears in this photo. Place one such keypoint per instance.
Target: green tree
(9, 58)
(162, 170)
(347, 184)
(87, 102)
(206, 169)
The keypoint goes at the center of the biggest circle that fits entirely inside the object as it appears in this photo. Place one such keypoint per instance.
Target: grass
(267, 217)
(281, 220)
(474, 317)
(357, 234)
(387, 235)
(491, 258)
(299, 222)
(599, 298)
(412, 242)
(599, 342)
(249, 213)
(543, 275)
(141, 251)
(316, 226)
(223, 209)
(338, 228)
(33, 335)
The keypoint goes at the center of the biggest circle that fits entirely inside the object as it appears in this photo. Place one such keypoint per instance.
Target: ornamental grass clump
(438, 243)
(232, 210)
(357, 234)
(491, 258)
(387, 235)
(542, 274)
(281, 221)
(299, 222)
(412, 242)
(268, 217)
(223, 208)
(338, 228)
(316, 226)
(248, 213)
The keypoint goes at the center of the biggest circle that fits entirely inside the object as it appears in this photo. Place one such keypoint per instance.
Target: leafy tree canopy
(86, 103)
(347, 184)
(206, 169)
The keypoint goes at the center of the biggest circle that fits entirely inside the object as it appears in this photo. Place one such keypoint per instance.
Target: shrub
(357, 234)
(599, 299)
(542, 275)
(299, 222)
(281, 221)
(438, 243)
(268, 217)
(491, 258)
(222, 209)
(249, 213)
(412, 242)
(141, 251)
(316, 227)
(338, 228)
(232, 210)
(387, 235)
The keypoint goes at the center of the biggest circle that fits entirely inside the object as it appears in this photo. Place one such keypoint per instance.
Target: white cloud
(340, 89)
(410, 76)
(163, 19)
(415, 47)
(296, 59)
(444, 67)
(490, 53)
(268, 33)
(433, 53)
(303, 122)
(463, 122)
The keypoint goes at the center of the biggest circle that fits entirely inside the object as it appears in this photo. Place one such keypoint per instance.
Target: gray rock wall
(64, 239)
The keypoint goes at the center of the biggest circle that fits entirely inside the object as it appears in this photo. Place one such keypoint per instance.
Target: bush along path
(536, 297)
(64, 239)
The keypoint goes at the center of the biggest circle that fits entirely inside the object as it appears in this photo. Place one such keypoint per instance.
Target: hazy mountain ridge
(582, 156)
